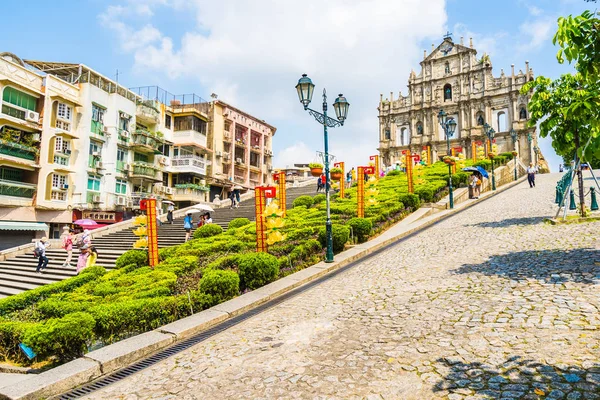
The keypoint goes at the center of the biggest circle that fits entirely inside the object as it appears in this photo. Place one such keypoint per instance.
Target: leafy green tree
(567, 110)
(579, 41)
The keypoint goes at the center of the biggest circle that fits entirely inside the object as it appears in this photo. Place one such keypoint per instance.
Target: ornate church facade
(452, 78)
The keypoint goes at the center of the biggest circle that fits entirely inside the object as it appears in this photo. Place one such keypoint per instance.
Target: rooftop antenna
(117, 76)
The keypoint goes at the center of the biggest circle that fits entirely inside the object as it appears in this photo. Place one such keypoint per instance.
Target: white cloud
(252, 54)
(536, 33)
(488, 44)
(298, 153)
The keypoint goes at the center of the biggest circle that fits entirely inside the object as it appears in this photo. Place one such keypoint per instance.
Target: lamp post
(530, 139)
(449, 126)
(305, 89)
(490, 132)
(515, 136)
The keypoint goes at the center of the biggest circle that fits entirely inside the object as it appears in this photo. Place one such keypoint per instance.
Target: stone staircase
(17, 274)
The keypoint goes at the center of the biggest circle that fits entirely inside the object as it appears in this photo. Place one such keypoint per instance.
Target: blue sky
(252, 53)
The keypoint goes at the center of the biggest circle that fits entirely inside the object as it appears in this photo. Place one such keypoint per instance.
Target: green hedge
(238, 223)
(340, 234)
(257, 269)
(361, 228)
(208, 230)
(320, 198)
(302, 201)
(411, 201)
(222, 285)
(137, 257)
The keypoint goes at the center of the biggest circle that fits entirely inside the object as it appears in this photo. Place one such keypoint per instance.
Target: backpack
(37, 253)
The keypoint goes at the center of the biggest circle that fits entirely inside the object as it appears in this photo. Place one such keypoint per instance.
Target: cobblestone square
(489, 304)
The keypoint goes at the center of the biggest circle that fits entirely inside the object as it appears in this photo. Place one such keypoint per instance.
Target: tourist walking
(40, 252)
(207, 219)
(92, 257)
(68, 246)
(531, 175)
(187, 225)
(353, 174)
(202, 220)
(348, 180)
(170, 210)
(319, 185)
(232, 198)
(84, 243)
(237, 198)
(475, 185)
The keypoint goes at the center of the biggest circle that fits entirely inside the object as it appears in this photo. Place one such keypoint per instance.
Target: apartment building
(76, 144)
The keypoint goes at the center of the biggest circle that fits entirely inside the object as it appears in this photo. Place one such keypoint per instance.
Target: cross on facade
(448, 35)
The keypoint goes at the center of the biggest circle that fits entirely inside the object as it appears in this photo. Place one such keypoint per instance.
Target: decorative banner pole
(408, 161)
(341, 165)
(259, 207)
(282, 193)
(375, 160)
(474, 151)
(152, 228)
(360, 193)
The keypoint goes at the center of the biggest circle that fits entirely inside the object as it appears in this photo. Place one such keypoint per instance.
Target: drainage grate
(202, 336)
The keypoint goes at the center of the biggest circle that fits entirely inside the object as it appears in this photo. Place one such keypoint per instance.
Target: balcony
(190, 138)
(193, 164)
(62, 161)
(147, 112)
(190, 192)
(145, 141)
(227, 136)
(240, 142)
(21, 193)
(142, 170)
(18, 150)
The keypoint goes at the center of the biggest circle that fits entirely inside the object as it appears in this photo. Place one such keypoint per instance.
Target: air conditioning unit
(64, 186)
(168, 190)
(162, 160)
(32, 116)
(226, 156)
(125, 134)
(96, 198)
(95, 153)
(226, 114)
(126, 167)
(105, 129)
(238, 160)
(123, 115)
(121, 201)
(130, 203)
(269, 167)
(99, 165)
(219, 154)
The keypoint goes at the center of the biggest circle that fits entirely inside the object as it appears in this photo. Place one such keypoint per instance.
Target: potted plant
(449, 160)
(514, 153)
(491, 155)
(336, 174)
(316, 169)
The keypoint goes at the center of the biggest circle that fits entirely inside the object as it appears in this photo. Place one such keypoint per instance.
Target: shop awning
(22, 226)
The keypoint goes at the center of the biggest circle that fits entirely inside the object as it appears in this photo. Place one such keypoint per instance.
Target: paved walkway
(491, 303)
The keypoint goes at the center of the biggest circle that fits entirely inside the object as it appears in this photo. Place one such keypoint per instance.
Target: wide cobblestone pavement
(489, 304)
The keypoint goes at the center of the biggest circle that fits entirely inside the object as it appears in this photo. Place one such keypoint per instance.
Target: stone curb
(118, 355)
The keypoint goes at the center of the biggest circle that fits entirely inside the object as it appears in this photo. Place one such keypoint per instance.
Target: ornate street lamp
(449, 126)
(490, 132)
(515, 136)
(305, 89)
(536, 150)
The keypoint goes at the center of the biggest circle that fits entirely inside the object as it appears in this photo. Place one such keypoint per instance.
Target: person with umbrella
(170, 209)
(232, 198)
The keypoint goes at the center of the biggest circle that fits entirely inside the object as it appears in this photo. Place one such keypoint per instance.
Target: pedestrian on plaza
(68, 246)
(202, 220)
(207, 219)
(475, 184)
(353, 174)
(348, 180)
(84, 243)
(319, 185)
(560, 168)
(531, 175)
(92, 257)
(232, 198)
(366, 177)
(40, 253)
(170, 210)
(187, 225)
(237, 198)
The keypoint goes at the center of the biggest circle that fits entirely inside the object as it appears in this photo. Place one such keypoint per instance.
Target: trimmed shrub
(65, 337)
(257, 269)
(411, 201)
(25, 299)
(237, 223)
(425, 194)
(320, 198)
(485, 164)
(227, 262)
(137, 257)
(208, 230)
(221, 285)
(393, 173)
(179, 265)
(509, 156)
(361, 228)
(303, 201)
(11, 334)
(340, 234)
(167, 252)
